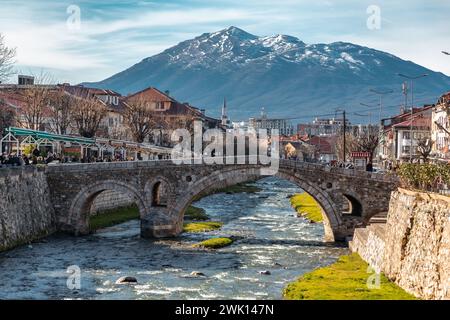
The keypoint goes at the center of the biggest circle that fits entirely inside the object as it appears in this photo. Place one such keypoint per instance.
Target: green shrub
(424, 176)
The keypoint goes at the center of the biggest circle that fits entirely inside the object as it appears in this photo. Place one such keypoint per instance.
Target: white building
(440, 128)
(283, 126)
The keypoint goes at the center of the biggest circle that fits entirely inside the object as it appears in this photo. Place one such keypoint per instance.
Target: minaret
(224, 117)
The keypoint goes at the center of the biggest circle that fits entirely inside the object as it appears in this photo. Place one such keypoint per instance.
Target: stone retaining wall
(110, 199)
(26, 212)
(414, 251)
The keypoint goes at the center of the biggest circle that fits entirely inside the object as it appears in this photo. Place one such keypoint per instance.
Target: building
(169, 114)
(402, 132)
(226, 123)
(284, 127)
(112, 125)
(440, 128)
(323, 127)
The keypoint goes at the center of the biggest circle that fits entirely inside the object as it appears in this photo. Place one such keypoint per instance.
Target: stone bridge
(163, 190)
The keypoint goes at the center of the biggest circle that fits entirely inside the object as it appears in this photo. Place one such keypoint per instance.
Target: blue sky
(114, 35)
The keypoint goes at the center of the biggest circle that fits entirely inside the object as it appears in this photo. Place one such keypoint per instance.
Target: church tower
(224, 118)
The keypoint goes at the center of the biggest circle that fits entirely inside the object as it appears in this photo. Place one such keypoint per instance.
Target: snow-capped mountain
(286, 76)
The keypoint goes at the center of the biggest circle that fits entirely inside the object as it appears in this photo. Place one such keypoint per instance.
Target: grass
(195, 213)
(195, 227)
(306, 206)
(112, 217)
(344, 280)
(214, 243)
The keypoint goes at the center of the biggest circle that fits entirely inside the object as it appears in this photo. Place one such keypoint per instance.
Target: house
(112, 125)
(294, 147)
(324, 148)
(401, 133)
(440, 128)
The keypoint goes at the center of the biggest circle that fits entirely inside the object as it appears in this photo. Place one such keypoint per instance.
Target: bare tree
(7, 116)
(7, 61)
(368, 141)
(61, 107)
(36, 101)
(350, 146)
(140, 118)
(88, 114)
(424, 147)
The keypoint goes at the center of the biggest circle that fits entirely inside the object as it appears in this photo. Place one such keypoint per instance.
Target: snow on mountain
(281, 73)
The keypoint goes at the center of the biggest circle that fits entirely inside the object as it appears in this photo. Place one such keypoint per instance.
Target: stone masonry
(26, 212)
(413, 247)
(163, 190)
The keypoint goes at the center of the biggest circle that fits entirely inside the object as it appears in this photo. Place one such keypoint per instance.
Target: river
(270, 237)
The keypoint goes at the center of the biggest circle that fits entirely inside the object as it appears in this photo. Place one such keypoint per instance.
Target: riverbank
(307, 207)
(112, 217)
(348, 279)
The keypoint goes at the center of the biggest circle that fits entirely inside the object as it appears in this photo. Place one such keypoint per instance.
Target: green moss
(306, 206)
(202, 226)
(344, 280)
(194, 213)
(214, 243)
(112, 217)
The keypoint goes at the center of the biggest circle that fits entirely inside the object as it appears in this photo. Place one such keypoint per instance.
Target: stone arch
(332, 219)
(355, 205)
(158, 192)
(80, 208)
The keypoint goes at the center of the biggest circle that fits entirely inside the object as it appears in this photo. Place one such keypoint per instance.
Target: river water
(270, 237)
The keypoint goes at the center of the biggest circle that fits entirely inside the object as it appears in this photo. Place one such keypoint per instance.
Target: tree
(7, 116)
(424, 147)
(87, 114)
(368, 141)
(140, 118)
(350, 146)
(61, 107)
(36, 101)
(7, 61)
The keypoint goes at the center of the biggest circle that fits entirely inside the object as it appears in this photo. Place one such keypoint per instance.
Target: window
(406, 135)
(405, 149)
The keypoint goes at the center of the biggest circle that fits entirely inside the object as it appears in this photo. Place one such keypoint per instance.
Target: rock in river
(126, 280)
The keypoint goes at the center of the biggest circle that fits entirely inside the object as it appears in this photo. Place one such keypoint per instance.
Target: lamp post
(381, 94)
(411, 78)
(345, 132)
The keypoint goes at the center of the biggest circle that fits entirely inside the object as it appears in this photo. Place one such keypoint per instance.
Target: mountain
(286, 76)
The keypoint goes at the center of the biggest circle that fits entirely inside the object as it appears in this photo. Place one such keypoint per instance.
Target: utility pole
(411, 78)
(345, 140)
(381, 94)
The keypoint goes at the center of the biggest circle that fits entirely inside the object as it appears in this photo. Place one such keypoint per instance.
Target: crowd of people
(37, 157)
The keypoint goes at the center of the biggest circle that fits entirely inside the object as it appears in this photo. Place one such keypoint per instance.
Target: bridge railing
(221, 161)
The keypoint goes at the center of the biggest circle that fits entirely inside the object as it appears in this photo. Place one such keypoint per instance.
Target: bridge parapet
(163, 190)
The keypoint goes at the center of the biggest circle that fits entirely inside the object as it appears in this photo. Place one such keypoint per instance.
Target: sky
(85, 40)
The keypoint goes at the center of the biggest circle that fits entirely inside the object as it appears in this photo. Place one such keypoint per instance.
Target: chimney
(167, 92)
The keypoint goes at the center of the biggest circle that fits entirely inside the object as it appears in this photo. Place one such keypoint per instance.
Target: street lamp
(381, 93)
(411, 78)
